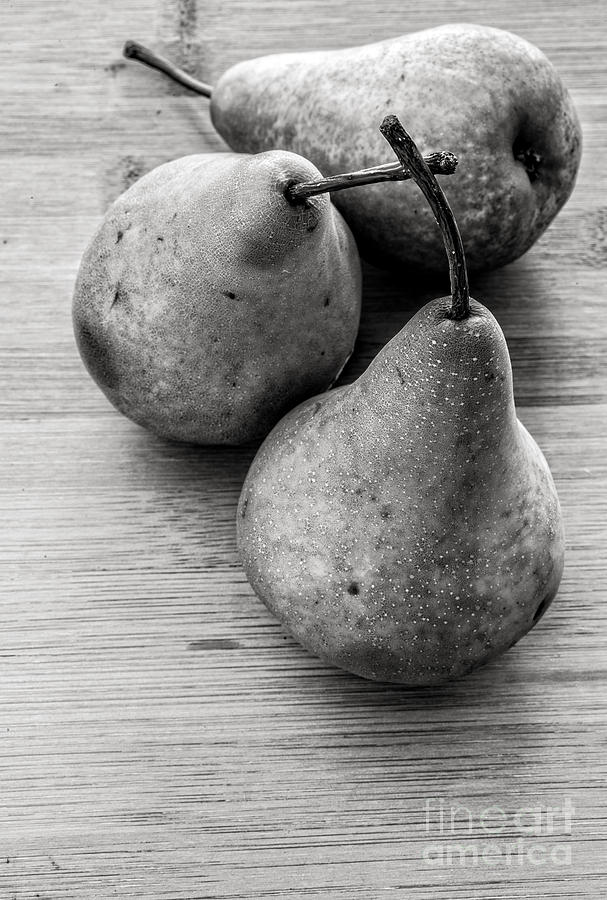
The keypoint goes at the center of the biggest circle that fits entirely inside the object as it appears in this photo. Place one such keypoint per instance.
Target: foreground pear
(407, 527)
(492, 97)
(209, 302)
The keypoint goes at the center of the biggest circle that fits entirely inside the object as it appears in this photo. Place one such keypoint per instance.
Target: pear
(406, 527)
(492, 97)
(209, 302)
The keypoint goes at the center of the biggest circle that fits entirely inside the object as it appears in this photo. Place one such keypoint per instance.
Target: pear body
(487, 95)
(207, 305)
(407, 527)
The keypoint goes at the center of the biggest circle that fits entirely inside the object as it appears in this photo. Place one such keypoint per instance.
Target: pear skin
(407, 527)
(490, 96)
(207, 304)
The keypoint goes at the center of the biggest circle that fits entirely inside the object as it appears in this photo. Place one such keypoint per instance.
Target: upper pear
(490, 96)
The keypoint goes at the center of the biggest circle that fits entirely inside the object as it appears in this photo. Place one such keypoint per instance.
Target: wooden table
(162, 736)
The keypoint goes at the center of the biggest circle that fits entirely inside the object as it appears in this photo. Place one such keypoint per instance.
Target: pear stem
(137, 51)
(410, 157)
(441, 163)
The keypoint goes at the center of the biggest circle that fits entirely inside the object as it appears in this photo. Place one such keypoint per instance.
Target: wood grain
(162, 737)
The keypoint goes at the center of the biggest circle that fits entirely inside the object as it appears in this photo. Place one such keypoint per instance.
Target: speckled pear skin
(207, 305)
(407, 527)
(483, 93)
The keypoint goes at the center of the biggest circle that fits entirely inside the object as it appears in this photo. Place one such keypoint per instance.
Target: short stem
(410, 157)
(441, 163)
(135, 50)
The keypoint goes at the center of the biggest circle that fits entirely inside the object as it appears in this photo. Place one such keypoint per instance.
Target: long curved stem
(409, 156)
(441, 163)
(137, 51)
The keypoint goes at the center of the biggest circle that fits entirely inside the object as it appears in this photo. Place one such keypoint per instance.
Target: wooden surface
(161, 736)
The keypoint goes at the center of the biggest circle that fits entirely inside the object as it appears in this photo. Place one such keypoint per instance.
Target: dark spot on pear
(401, 377)
(119, 295)
(160, 239)
(386, 512)
(119, 236)
(230, 294)
(243, 511)
(489, 376)
(353, 589)
(322, 352)
(327, 301)
(313, 226)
